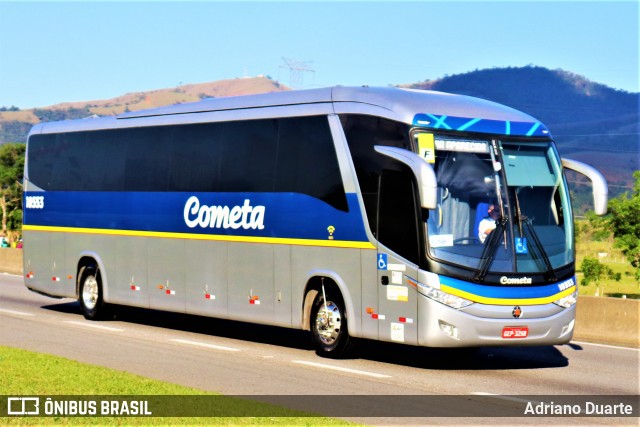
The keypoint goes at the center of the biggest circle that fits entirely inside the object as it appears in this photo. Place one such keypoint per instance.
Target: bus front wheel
(329, 324)
(91, 296)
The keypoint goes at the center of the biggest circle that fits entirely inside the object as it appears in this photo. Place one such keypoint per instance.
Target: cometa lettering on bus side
(245, 216)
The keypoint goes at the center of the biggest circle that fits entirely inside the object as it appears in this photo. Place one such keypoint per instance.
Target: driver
(488, 223)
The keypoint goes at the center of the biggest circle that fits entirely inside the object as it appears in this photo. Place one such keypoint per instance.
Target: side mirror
(426, 177)
(600, 189)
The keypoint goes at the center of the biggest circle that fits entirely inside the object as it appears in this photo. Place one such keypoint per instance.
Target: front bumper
(442, 326)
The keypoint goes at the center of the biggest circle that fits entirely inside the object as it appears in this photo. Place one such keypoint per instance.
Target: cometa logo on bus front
(504, 280)
(245, 216)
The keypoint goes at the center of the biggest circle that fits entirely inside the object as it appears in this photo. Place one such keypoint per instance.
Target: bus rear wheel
(91, 296)
(329, 325)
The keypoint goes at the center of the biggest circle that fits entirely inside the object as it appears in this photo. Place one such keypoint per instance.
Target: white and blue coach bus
(348, 212)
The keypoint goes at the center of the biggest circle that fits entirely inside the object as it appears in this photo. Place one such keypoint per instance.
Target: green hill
(15, 123)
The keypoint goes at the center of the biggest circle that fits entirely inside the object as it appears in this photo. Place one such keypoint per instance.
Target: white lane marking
(18, 313)
(605, 345)
(12, 275)
(338, 368)
(91, 325)
(205, 345)
(499, 396)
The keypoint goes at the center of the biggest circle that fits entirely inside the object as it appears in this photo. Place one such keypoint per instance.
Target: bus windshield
(515, 189)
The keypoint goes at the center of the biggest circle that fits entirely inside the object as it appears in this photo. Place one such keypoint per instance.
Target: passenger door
(398, 257)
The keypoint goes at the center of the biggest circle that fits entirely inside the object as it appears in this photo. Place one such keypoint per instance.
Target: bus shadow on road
(212, 326)
(485, 358)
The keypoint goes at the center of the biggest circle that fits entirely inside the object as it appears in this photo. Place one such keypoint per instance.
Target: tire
(329, 325)
(90, 295)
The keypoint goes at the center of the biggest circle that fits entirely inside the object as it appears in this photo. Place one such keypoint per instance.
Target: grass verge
(25, 373)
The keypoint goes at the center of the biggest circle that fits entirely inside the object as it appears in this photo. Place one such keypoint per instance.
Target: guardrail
(598, 319)
(11, 260)
(608, 320)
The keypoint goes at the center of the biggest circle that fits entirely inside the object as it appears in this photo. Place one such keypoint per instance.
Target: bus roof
(427, 109)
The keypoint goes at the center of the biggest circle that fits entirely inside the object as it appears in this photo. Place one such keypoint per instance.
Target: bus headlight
(568, 300)
(442, 297)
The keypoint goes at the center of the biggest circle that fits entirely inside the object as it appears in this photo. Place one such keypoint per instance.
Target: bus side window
(307, 162)
(363, 134)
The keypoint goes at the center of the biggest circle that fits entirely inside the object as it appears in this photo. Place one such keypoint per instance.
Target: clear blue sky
(52, 52)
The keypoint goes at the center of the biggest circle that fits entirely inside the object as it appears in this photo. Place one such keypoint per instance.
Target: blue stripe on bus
(507, 291)
(471, 124)
(286, 215)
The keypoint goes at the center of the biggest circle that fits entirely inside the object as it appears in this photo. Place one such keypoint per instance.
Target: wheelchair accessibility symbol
(521, 245)
(382, 261)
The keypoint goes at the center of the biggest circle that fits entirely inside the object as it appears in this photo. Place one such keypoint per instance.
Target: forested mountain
(589, 121)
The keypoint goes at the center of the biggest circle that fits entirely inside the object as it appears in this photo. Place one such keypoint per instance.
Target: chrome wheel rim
(328, 323)
(90, 292)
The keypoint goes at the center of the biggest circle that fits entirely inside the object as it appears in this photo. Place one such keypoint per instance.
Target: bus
(346, 212)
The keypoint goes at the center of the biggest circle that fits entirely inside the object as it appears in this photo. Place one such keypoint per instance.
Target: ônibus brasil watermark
(494, 406)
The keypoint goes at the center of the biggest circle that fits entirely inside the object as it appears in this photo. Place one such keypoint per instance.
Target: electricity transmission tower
(296, 70)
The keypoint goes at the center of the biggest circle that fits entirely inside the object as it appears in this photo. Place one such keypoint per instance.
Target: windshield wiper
(489, 251)
(551, 276)
(541, 253)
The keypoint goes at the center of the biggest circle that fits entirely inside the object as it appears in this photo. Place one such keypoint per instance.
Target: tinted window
(195, 162)
(307, 161)
(149, 153)
(277, 155)
(249, 150)
(67, 161)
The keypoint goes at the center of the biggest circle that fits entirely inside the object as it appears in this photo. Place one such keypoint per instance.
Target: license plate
(515, 332)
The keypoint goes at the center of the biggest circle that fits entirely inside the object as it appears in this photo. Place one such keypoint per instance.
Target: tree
(14, 131)
(11, 174)
(592, 270)
(57, 114)
(624, 221)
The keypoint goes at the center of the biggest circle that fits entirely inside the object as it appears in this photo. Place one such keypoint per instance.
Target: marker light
(448, 329)
(568, 300)
(567, 328)
(432, 290)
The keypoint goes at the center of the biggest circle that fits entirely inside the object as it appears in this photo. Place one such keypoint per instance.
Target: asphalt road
(237, 358)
